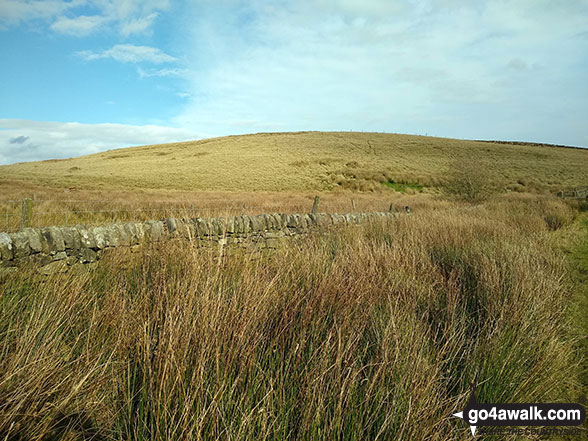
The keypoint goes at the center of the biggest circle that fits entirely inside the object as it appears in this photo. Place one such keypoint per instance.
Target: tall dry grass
(55, 207)
(370, 332)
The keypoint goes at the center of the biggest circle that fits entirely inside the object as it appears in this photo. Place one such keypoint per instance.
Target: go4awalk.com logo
(528, 414)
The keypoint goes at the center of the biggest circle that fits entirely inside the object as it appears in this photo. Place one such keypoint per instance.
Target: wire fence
(17, 214)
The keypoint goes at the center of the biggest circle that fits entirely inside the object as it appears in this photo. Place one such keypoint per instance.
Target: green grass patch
(579, 273)
(402, 187)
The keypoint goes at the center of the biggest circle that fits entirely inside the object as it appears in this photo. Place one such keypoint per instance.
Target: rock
(278, 221)
(6, 252)
(111, 236)
(54, 268)
(153, 230)
(131, 231)
(36, 260)
(87, 238)
(294, 221)
(238, 223)
(60, 256)
(258, 223)
(186, 230)
(140, 232)
(34, 238)
(100, 236)
(269, 222)
(71, 238)
(87, 255)
(216, 226)
(200, 227)
(171, 225)
(229, 225)
(124, 235)
(20, 244)
(52, 240)
(247, 226)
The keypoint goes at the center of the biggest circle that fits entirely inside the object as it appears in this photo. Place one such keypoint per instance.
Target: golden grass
(371, 332)
(53, 206)
(307, 161)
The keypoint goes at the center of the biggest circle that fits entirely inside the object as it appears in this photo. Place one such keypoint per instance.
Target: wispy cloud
(14, 12)
(129, 53)
(165, 72)
(138, 25)
(23, 140)
(128, 17)
(78, 26)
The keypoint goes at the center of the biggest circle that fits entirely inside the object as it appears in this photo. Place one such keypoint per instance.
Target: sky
(83, 76)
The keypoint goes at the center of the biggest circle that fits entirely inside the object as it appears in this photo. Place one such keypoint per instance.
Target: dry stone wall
(53, 247)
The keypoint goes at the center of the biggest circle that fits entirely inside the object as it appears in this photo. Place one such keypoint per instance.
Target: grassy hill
(306, 161)
(360, 332)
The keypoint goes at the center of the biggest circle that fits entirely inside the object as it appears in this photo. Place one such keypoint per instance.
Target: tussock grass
(307, 161)
(55, 207)
(369, 332)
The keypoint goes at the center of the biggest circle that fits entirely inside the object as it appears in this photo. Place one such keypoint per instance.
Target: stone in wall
(46, 246)
(6, 252)
(53, 241)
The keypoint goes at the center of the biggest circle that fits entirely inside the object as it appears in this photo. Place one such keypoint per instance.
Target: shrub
(470, 181)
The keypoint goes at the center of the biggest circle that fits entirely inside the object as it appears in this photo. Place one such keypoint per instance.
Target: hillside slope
(306, 161)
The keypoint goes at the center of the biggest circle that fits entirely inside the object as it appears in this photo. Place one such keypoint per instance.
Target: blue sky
(82, 76)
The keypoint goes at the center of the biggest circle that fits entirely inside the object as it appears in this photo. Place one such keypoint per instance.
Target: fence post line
(315, 205)
(27, 213)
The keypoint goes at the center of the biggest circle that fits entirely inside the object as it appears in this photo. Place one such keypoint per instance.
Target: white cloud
(23, 140)
(435, 66)
(13, 12)
(128, 17)
(138, 25)
(78, 26)
(124, 9)
(129, 53)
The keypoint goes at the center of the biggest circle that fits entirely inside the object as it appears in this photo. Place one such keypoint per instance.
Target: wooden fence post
(392, 209)
(315, 205)
(353, 205)
(27, 213)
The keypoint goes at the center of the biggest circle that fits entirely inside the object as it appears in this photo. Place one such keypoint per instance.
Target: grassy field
(372, 332)
(368, 332)
(307, 161)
